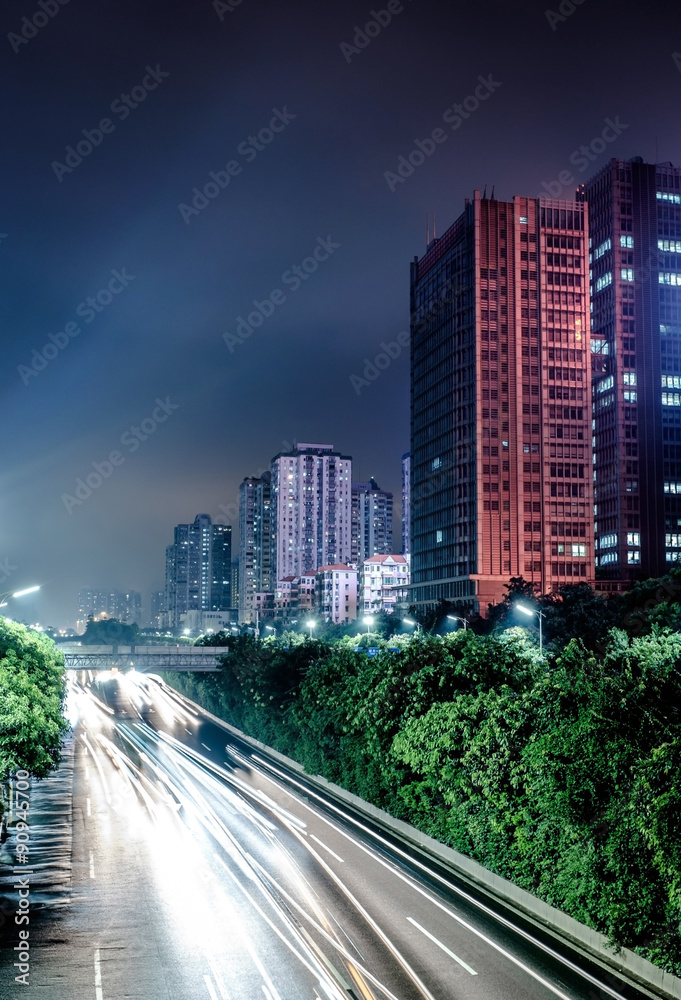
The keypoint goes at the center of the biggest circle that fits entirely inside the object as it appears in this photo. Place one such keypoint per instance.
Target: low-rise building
(384, 582)
(336, 593)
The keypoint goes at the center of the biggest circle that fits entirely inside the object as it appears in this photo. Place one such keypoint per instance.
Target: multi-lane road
(202, 872)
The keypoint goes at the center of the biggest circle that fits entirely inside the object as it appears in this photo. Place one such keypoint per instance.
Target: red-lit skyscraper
(501, 474)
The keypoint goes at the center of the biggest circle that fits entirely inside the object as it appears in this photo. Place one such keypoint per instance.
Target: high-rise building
(157, 608)
(635, 259)
(198, 568)
(234, 594)
(125, 606)
(372, 521)
(311, 510)
(406, 503)
(501, 403)
(254, 543)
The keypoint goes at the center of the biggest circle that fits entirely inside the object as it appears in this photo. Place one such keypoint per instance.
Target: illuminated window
(627, 241)
(672, 488)
(605, 384)
(671, 399)
(669, 246)
(633, 538)
(579, 549)
(627, 274)
(633, 556)
(668, 196)
(604, 281)
(603, 248)
(438, 536)
(629, 395)
(608, 542)
(436, 463)
(629, 378)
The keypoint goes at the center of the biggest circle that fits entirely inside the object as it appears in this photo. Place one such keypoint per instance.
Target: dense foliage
(109, 632)
(32, 691)
(559, 772)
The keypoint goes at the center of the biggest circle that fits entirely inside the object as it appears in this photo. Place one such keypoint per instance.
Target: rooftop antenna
(434, 236)
(427, 231)
(492, 194)
(484, 193)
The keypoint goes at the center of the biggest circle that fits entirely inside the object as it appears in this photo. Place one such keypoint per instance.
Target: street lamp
(527, 610)
(8, 595)
(310, 625)
(271, 627)
(368, 621)
(456, 618)
(408, 621)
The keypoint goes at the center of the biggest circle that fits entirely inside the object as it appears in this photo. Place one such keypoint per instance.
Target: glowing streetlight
(8, 595)
(368, 621)
(415, 625)
(527, 610)
(311, 625)
(456, 618)
(271, 627)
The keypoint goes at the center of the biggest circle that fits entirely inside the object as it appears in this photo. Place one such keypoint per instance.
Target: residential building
(294, 596)
(406, 503)
(372, 521)
(125, 606)
(310, 510)
(198, 569)
(205, 622)
(635, 258)
(336, 593)
(254, 543)
(383, 583)
(235, 583)
(157, 609)
(501, 403)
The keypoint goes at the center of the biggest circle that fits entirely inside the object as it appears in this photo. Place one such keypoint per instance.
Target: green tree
(32, 692)
(109, 632)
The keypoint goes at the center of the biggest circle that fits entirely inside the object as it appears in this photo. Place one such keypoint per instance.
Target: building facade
(635, 258)
(501, 403)
(126, 606)
(336, 593)
(198, 569)
(406, 503)
(311, 510)
(255, 548)
(383, 583)
(372, 521)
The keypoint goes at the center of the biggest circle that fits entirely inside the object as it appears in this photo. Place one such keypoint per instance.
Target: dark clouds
(322, 176)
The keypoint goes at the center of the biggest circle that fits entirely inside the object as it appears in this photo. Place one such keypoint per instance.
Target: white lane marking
(431, 899)
(218, 979)
(92, 865)
(98, 977)
(322, 844)
(204, 745)
(443, 946)
(210, 987)
(89, 808)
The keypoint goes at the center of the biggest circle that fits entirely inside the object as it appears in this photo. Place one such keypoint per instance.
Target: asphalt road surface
(200, 872)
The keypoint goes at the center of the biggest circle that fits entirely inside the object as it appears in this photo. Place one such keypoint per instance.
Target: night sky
(206, 80)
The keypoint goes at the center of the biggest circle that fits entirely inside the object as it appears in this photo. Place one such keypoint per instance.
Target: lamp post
(527, 610)
(368, 621)
(456, 618)
(310, 625)
(415, 625)
(8, 595)
(271, 627)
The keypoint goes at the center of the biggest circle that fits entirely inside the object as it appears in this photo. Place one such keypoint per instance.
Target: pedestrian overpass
(145, 659)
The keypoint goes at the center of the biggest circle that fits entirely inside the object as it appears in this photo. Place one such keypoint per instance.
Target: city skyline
(166, 327)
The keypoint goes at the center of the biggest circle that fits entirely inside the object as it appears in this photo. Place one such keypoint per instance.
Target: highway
(202, 873)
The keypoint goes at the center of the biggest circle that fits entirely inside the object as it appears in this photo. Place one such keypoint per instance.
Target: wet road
(199, 872)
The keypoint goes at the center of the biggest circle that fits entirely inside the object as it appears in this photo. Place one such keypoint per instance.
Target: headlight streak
(449, 885)
(181, 757)
(99, 767)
